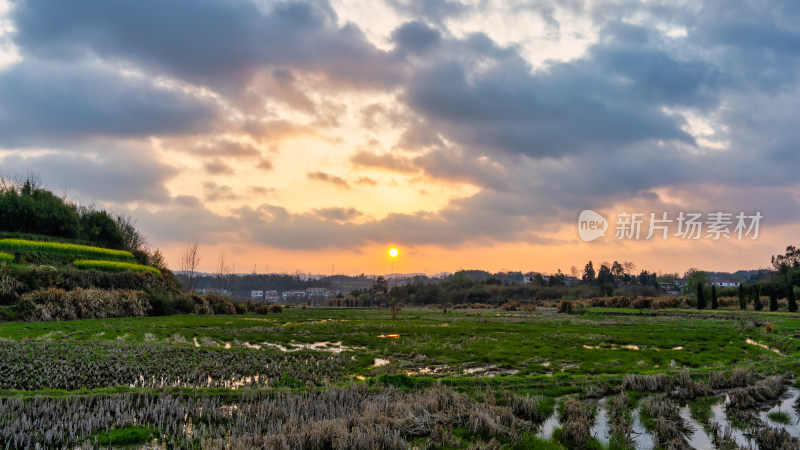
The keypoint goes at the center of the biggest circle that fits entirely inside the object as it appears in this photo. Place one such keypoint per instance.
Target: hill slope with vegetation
(61, 261)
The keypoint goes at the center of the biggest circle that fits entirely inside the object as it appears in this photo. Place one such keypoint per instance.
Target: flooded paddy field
(354, 378)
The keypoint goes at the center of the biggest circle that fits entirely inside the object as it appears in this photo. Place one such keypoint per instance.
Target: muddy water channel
(697, 436)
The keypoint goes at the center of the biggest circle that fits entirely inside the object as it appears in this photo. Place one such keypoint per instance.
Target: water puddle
(641, 437)
(548, 426)
(196, 344)
(434, 370)
(698, 438)
(489, 371)
(720, 418)
(600, 428)
(390, 336)
(786, 405)
(765, 347)
(380, 362)
(324, 346)
(612, 347)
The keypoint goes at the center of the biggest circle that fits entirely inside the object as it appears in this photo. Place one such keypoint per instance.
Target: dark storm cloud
(416, 37)
(47, 103)
(539, 143)
(109, 176)
(218, 43)
(611, 98)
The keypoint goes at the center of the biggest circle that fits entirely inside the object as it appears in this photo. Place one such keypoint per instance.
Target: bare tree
(629, 267)
(395, 305)
(132, 238)
(190, 260)
(224, 277)
(574, 272)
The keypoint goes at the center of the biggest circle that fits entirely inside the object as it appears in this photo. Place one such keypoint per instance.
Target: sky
(312, 136)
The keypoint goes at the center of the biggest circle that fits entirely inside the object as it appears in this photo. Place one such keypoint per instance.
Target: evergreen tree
(589, 273)
(714, 304)
(773, 301)
(792, 299)
(757, 305)
(742, 299)
(701, 300)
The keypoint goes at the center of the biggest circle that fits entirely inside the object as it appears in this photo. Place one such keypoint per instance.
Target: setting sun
(393, 252)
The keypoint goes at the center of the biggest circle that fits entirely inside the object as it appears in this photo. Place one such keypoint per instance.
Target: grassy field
(113, 266)
(536, 354)
(64, 250)
(465, 343)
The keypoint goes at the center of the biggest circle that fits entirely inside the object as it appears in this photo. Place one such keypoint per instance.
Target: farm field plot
(488, 377)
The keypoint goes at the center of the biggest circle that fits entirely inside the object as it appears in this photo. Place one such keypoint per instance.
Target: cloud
(431, 10)
(367, 181)
(328, 178)
(337, 214)
(217, 166)
(214, 192)
(210, 146)
(264, 164)
(416, 37)
(696, 100)
(387, 161)
(216, 43)
(46, 103)
(113, 175)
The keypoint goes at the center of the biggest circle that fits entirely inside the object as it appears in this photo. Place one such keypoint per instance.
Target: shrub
(611, 302)
(56, 304)
(7, 258)
(184, 304)
(667, 302)
(642, 303)
(277, 308)
(598, 302)
(9, 289)
(511, 305)
(565, 307)
(240, 308)
(114, 266)
(261, 309)
(219, 304)
(68, 251)
(201, 305)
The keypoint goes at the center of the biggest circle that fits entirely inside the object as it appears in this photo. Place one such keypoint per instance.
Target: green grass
(125, 436)
(701, 410)
(7, 258)
(780, 417)
(71, 251)
(553, 355)
(114, 266)
(536, 344)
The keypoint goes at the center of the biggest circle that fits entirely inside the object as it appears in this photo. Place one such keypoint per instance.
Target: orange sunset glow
(309, 137)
